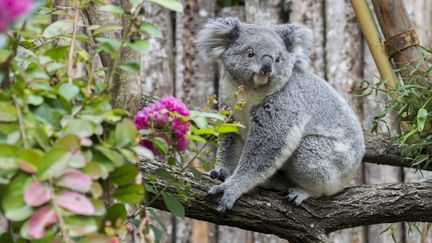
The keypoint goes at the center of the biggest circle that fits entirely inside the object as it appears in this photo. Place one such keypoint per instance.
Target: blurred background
(340, 55)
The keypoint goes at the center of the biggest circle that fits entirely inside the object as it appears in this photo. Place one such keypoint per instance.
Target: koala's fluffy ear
(298, 39)
(216, 35)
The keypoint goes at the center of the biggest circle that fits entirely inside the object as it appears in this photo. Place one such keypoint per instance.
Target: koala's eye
(278, 59)
(250, 53)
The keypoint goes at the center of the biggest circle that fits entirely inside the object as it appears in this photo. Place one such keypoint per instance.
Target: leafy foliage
(411, 102)
(68, 159)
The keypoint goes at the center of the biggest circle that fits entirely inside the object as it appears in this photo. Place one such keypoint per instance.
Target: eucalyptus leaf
(170, 4)
(173, 205)
(58, 28)
(131, 193)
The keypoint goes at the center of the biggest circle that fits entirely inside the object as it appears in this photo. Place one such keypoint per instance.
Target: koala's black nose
(266, 65)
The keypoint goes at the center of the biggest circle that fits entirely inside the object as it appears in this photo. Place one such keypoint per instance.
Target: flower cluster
(166, 119)
(10, 10)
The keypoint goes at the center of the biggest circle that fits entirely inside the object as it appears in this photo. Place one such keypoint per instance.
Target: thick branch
(265, 211)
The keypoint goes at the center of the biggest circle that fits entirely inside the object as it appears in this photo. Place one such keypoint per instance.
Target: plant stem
(73, 42)
(20, 122)
(62, 225)
(159, 193)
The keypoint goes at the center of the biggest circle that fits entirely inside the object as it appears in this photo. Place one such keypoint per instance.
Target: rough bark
(157, 65)
(265, 211)
(194, 77)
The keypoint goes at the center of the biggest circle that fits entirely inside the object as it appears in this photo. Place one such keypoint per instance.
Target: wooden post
(401, 40)
(373, 39)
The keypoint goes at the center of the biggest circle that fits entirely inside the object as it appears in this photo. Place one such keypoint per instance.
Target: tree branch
(265, 211)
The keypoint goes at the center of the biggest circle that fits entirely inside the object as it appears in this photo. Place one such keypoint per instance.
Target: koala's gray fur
(300, 134)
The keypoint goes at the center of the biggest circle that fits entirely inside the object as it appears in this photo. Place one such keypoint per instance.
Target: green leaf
(68, 91)
(170, 4)
(112, 9)
(173, 205)
(146, 131)
(196, 173)
(58, 28)
(228, 128)
(34, 99)
(143, 152)
(109, 45)
(79, 127)
(132, 67)
(8, 112)
(421, 119)
(140, 45)
(80, 225)
(214, 116)
(8, 155)
(157, 233)
(195, 138)
(106, 29)
(124, 174)
(161, 172)
(116, 158)
(53, 163)
(12, 199)
(68, 142)
(151, 29)
(29, 159)
(131, 193)
(125, 133)
(54, 66)
(116, 213)
(41, 137)
(160, 144)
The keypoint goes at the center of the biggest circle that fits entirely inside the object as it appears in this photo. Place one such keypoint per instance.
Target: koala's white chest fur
(248, 97)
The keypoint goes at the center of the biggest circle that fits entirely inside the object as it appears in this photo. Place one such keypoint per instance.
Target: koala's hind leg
(316, 169)
(228, 155)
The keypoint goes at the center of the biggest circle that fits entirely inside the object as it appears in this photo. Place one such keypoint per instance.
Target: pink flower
(158, 118)
(10, 10)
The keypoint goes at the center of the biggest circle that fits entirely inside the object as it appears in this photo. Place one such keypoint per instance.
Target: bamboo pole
(373, 39)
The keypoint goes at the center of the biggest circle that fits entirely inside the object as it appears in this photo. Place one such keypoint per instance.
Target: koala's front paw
(229, 196)
(219, 173)
(295, 195)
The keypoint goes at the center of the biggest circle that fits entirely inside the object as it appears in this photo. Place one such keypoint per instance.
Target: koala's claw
(216, 189)
(226, 202)
(295, 195)
(229, 196)
(221, 175)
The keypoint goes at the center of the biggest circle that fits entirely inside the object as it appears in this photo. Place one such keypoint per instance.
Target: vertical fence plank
(263, 11)
(311, 14)
(343, 68)
(196, 80)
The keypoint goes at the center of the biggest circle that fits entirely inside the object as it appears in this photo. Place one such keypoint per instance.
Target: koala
(300, 136)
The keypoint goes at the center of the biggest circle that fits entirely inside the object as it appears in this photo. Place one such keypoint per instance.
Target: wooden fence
(340, 56)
